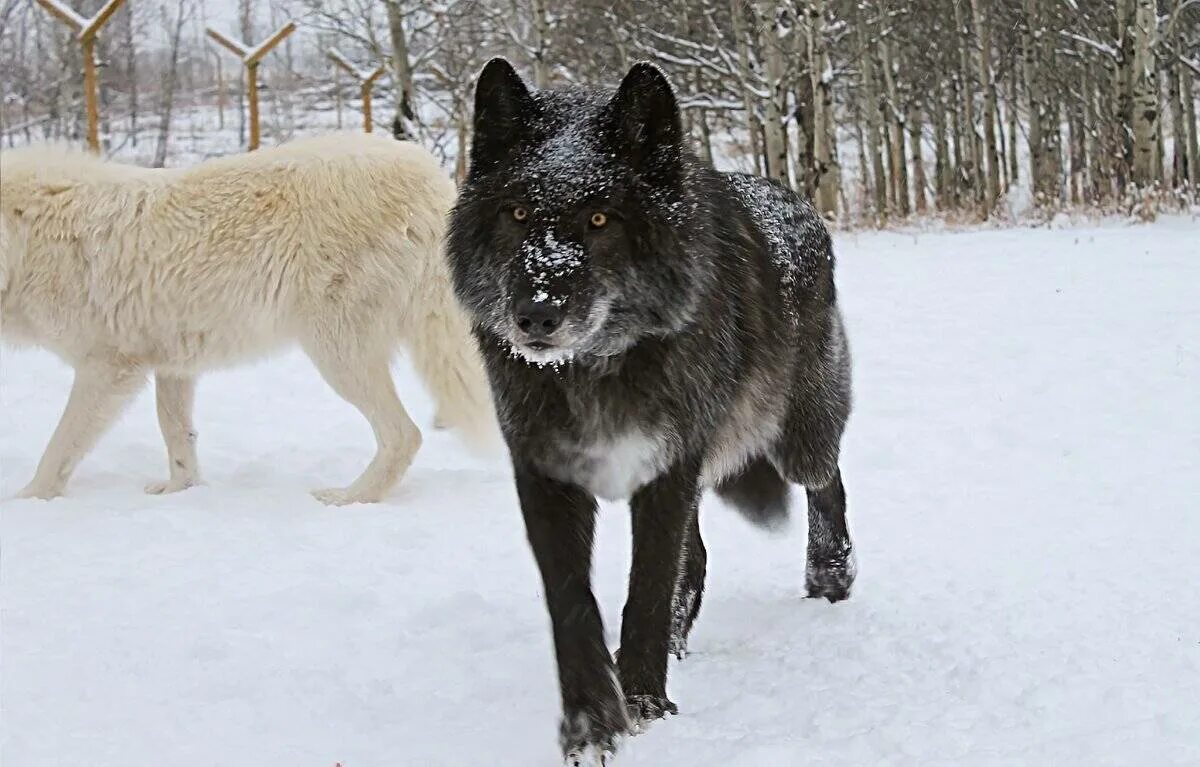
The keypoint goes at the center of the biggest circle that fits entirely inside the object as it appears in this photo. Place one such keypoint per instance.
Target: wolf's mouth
(542, 352)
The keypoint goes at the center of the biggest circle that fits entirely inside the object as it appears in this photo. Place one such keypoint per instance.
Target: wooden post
(250, 59)
(220, 95)
(366, 80)
(367, 86)
(86, 30)
(252, 102)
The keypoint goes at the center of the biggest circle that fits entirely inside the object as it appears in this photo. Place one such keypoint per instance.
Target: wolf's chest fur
(611, 467)
(612, 442)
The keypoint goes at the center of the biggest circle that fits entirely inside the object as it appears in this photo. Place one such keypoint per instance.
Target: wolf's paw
(41, 492)
(830, 577)
(173, 485)
(644, 709)
(589, 736)
(678, 644)
(342, 496)
(590, 755)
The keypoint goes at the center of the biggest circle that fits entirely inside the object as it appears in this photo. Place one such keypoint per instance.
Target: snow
(1023, 471)
(549, 261)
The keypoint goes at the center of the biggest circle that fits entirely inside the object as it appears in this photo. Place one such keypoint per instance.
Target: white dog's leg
(176, 396)
(101, 389)
(363, 378)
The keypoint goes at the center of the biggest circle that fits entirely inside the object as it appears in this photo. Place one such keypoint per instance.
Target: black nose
(538, 319)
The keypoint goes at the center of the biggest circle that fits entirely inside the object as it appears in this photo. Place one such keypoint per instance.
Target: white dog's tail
(4, 254)
(445, 356)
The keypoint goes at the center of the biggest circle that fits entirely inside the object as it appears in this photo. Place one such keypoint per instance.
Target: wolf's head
(571, 234)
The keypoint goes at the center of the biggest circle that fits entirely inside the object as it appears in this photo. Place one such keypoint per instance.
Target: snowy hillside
(1023, 472)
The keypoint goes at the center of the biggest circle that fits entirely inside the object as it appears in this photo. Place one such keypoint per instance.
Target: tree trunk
(246, 28)
(404, 123)
(918, 160)
(803, 116)
(1123, 83)
(971, 168)
(1014, 162)
(128, 42)
(774, 128)
(746, 74)
(957, 170)
(167, 102)
(1102, 128)
(871, 114)
(1145, 93)
(1189, 121)
(541, 43)
(1179, 167)
(944, 172)
(706, 149)
(899, 165)
(981, 13)
(825, 162)
(1044, 143)
(889, 181)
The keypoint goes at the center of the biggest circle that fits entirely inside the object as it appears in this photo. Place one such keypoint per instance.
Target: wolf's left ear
(502, 106)
(646, 112)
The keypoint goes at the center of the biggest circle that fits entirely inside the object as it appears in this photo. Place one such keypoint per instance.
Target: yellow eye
(598, 220)
(520, 214)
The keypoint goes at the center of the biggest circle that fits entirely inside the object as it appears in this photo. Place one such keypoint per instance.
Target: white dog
(332, 242)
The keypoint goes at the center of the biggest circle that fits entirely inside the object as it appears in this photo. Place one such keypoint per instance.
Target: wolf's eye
(598, 220)
(519, 214)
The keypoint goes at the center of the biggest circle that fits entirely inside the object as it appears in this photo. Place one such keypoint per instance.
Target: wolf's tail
(758, 492)
(445, 356)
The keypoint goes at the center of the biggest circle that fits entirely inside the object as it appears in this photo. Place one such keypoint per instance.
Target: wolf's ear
(645, 110)
(502, 105)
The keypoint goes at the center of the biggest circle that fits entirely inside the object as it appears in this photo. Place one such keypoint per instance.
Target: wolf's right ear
(647, 112)
(502, 105)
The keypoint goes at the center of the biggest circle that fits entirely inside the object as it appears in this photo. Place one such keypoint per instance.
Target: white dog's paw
(342, 496)
(171, 486)
(590, 755)
(42, 492)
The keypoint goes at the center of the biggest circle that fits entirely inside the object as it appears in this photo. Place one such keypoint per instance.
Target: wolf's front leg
(662, 512)
(560, 520)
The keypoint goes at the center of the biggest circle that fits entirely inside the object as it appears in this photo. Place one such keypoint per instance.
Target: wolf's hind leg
(690, 591)
(808, 455)
(830, 571)
(175, 397)
(360, 373)
(101, 389)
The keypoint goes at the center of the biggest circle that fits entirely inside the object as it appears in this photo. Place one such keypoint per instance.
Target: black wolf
(651, 327)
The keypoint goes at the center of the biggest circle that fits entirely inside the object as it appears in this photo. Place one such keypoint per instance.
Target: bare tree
(174, 28)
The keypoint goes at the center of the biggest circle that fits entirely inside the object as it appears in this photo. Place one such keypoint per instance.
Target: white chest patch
(615, 468)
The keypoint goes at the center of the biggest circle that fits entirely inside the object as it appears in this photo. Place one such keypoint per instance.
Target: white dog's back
(203, 267)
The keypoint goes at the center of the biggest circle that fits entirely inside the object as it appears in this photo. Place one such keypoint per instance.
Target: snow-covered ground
(1023, 469)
